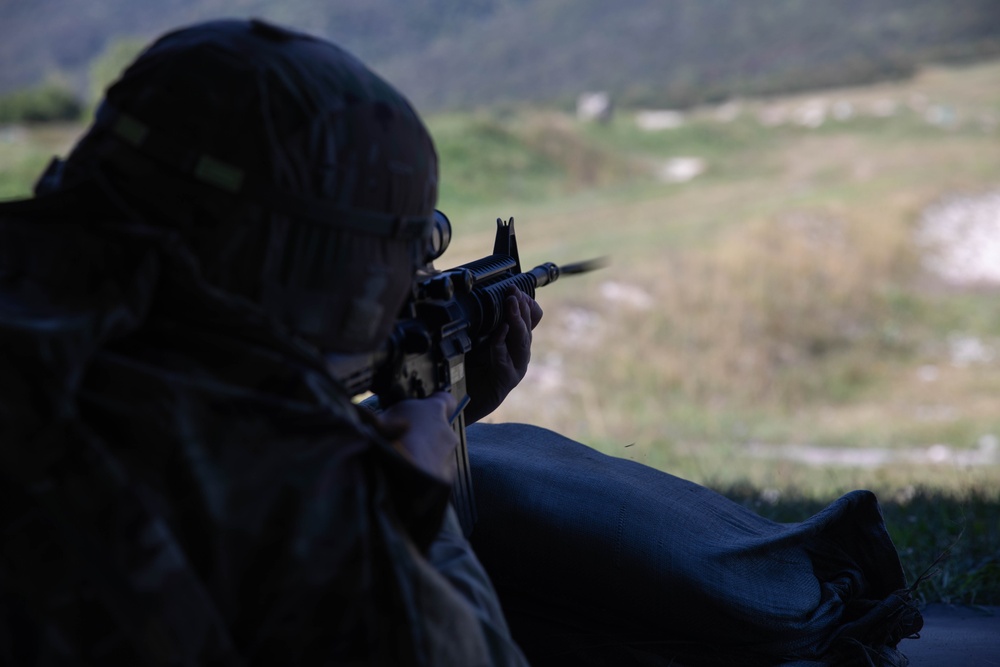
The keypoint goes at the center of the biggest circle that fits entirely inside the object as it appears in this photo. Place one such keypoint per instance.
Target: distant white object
(969, 351)
(629, 295)
(961, 239)
(942, 116)
(728, 112)
(654, 121)
(884, 108)
(811, 113)
(842, 110)
(680, 169)
(594, 106)
(772, 116)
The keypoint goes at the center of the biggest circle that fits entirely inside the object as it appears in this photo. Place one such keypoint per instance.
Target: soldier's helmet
(298, 178)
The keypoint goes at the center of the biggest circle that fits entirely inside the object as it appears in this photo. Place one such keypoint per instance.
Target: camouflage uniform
(183, 481)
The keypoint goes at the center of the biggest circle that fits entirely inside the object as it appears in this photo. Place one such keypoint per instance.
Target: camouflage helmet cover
(313, 179)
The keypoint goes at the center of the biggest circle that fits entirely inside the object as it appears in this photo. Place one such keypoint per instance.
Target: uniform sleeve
(452, 556)
(313, 540)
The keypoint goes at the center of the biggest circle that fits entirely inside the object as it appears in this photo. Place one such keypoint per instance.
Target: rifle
(448, 314)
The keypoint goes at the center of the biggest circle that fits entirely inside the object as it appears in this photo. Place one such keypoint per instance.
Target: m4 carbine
(449, 314)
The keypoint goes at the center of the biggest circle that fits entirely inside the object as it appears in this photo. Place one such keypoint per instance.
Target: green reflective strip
(131, 130)
(218, 173)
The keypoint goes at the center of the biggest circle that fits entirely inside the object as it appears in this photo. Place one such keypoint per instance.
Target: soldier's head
(298, 178)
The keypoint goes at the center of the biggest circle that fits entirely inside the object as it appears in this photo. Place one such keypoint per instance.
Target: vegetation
(768, 327)
(47, 102)
(462, 54)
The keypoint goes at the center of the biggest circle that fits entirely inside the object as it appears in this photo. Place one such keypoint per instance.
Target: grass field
(767, 327)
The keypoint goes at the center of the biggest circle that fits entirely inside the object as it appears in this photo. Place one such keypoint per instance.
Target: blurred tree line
(680, 53)
(52, 100)
(462, 54)
(55, 100)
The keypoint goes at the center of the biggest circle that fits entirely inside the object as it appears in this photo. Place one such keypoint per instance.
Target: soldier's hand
(495, 369)
(427, 439)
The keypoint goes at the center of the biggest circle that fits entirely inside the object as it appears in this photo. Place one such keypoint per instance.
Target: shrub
(47, 102)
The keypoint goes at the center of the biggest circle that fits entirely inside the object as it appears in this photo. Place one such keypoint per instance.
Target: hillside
(448, 54)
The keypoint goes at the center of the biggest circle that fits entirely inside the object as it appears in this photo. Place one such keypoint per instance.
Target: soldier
(184, 482)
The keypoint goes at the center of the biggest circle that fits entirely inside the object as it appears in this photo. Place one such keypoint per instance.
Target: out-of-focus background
(800, 201)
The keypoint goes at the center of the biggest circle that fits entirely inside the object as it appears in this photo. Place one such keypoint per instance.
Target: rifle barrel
(584, 266)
